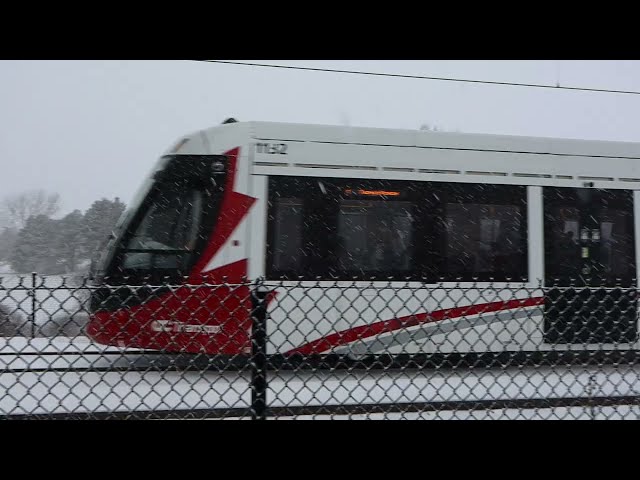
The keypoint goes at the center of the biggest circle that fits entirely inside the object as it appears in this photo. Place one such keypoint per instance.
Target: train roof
(294, 132)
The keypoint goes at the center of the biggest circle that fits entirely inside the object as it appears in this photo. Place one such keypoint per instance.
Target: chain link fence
(322, 350)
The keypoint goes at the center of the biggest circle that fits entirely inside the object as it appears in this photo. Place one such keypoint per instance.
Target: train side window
(287, 227)
(589, 236)
(287, 245)
(374, 238)
(329, 228)
(375, 230)
(481, 233)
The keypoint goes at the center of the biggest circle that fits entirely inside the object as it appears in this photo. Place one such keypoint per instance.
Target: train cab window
(481, 233)
(167, 234)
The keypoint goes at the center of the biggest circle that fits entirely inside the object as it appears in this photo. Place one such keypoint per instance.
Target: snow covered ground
(66, 391)
(19, 353)
(5, 269)
(59, 303)
(133, 391)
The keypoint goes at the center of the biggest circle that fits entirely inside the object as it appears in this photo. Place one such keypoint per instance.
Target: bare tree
(32, 203)
(430, 128)
(12, 323)
(425, 127)
(4, 217)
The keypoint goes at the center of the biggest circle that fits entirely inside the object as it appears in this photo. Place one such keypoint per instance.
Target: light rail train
(376, 241)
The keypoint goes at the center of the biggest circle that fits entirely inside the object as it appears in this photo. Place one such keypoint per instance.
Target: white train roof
(428, 139)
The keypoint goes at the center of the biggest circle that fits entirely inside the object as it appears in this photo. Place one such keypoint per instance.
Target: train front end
(152, 287)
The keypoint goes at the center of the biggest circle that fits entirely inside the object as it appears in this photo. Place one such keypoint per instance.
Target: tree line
(31, 240)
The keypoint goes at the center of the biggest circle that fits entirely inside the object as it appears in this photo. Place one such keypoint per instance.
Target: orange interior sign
(386, 193)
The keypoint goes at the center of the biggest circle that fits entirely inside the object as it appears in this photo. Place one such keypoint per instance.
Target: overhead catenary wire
(426, 77)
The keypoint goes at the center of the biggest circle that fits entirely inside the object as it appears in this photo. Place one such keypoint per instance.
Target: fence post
(591, 386)
(258, 354)
(33, 304)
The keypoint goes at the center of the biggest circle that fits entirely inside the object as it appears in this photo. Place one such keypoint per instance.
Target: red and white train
(376, 241)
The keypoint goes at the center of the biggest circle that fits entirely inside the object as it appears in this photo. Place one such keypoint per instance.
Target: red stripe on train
(365, 331)
(234, 208)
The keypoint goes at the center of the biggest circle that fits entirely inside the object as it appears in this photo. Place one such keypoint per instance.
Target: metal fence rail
(298, 349)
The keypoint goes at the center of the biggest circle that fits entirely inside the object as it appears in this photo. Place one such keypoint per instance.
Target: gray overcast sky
(92, 129)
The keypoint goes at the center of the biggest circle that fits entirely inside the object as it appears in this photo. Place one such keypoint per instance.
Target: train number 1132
(273, 148)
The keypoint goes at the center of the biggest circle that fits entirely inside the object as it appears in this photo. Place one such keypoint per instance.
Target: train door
(590, 266)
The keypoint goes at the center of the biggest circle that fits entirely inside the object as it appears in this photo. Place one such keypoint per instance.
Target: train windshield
(168, 231)
(168, 225)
